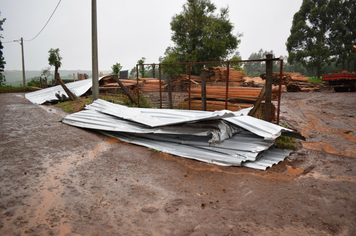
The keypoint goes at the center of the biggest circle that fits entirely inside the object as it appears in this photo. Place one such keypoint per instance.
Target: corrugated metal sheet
(48, 94)
(223, 138)
(156, 117)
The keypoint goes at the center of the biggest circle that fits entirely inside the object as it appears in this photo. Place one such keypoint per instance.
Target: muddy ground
(60, 180)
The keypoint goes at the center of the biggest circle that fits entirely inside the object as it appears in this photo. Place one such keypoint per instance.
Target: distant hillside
(14, 77)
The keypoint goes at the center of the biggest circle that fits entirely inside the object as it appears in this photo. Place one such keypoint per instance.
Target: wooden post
(258, 101)
(71, 95)
(74, 77)
(78, 76)
(126, 91)
(203, 90)
(268, 85)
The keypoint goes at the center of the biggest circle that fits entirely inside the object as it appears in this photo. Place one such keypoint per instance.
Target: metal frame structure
(227, 77)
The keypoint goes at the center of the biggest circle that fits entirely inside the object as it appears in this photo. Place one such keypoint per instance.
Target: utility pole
(94, 35)
(23, 66)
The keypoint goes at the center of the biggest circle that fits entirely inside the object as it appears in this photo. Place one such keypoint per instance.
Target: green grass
(315, 80)
(77, 105)
(13, 89)
(284, 142)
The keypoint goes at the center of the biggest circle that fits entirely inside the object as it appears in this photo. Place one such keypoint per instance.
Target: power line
(46, 22)
(40, 30)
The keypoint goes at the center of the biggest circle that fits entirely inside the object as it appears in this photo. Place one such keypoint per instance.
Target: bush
(35, 82)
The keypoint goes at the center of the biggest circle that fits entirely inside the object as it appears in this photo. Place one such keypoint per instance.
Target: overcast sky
(128, 30)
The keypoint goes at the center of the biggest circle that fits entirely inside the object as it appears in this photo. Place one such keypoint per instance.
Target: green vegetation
(72, 106)
(323, 31)
(35, 82)
(13, 89)
(285, 142)
(142, 68)
(315, 80)
(201, 35)
(116, 68)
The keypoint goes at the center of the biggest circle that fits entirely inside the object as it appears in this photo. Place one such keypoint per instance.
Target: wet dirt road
(59, 180)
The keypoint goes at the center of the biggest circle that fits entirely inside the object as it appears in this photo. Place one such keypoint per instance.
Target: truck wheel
(340, 89)
(353, 86)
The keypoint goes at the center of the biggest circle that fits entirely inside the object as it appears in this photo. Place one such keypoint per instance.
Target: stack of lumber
(253, 82)
(294, 82)
(219, 93)
(219, 74)
(150, 85)
(180, 83)
(107, 84)
(213, 105)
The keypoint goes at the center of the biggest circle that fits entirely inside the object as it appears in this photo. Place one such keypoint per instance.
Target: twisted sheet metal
(48, 94)
(224, 138)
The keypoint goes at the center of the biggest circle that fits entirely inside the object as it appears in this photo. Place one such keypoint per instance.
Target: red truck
(341, 81)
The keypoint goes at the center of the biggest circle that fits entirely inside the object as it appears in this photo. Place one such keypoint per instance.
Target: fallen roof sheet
(48, 94)
(223, 138)
(156, 117)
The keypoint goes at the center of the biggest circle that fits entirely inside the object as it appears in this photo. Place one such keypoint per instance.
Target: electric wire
(40, 30)
(46, 22)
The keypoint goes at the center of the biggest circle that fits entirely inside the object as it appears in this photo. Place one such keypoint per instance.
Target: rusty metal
(138, 91)
(227, 83)
(228, 77)
(279, 90)
(188, 86)
(160, 86)
(268, 98)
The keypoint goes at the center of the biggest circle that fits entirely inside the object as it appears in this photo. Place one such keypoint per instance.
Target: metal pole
(227, 84)
(160, 90)
(188, 86)
(23, 65)
(279, 90)
(138, 89)
(95, 70)
(269, 74)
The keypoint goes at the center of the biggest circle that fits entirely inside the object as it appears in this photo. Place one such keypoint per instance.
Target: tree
(237, 66)
(308, 42)
(2, 60)
(342, 32)
(255, 69)
(200, 35)
(142, 67)
(116, 68)
(54, 59)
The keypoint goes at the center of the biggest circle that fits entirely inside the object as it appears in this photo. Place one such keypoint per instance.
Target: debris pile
(222, 137)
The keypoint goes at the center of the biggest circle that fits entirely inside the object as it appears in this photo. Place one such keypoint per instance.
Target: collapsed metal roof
(223, 137)
(48, 94)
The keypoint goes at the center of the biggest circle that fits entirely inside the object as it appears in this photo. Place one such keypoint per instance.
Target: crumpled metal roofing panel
(206, 136)
(260, 127)
(48, 94)
(92, 119)
(255, 160)
(156, 117)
